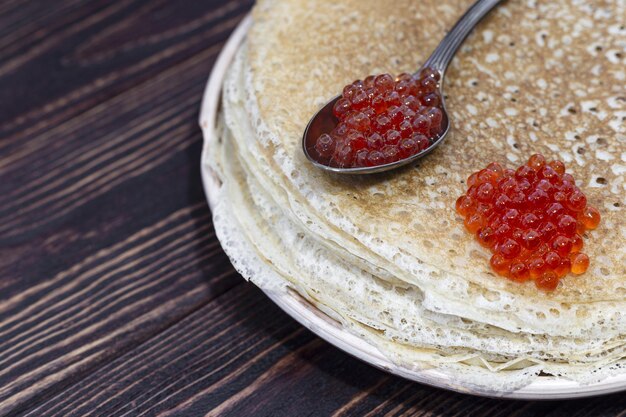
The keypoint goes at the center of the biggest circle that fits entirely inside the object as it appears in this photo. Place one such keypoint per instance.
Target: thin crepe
(399, 270)
(404, 222)
(390, 317)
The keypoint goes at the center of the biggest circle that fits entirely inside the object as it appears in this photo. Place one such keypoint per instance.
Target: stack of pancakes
(386, 255)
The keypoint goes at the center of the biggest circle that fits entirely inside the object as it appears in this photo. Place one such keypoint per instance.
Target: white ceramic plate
(543, 388)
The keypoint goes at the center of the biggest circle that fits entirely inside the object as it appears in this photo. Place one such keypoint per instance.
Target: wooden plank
(238, 341)
(83, 184)
(109, 144)
(59, 330)
(71, 62)
(106, 239)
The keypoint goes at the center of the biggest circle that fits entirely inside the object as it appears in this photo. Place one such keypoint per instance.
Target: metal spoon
(324, 121)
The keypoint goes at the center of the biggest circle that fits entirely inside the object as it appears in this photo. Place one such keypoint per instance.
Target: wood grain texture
(115, 297)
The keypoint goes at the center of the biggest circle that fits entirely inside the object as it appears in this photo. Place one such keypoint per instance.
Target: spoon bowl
(324, 121)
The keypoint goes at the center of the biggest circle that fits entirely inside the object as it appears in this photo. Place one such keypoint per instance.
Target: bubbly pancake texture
(535, 77)
(530, 79)
(275, 253)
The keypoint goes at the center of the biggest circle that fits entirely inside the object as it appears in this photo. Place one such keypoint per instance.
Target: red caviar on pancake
(531, 219)
(383, 120)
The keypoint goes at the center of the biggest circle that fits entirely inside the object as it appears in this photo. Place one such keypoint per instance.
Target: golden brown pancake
(534, 77)
(529, 79)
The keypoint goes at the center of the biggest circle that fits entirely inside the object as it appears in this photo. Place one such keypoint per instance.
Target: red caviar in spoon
(383, 120)
(531, 219)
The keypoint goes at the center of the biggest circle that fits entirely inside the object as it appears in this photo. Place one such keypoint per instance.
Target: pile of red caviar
(531, 219)
(382, 120)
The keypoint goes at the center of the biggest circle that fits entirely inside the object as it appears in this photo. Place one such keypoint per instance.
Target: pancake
(407, 217)
(399, 270)
(382, 313)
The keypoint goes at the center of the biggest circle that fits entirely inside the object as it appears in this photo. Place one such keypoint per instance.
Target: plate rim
(541, 388)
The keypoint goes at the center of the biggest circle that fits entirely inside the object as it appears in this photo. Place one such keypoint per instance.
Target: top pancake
(545, 77)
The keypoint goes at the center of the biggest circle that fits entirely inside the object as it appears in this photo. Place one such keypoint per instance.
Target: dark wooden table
(115, 297)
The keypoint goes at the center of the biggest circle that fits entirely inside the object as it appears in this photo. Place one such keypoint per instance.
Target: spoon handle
(445, 51)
